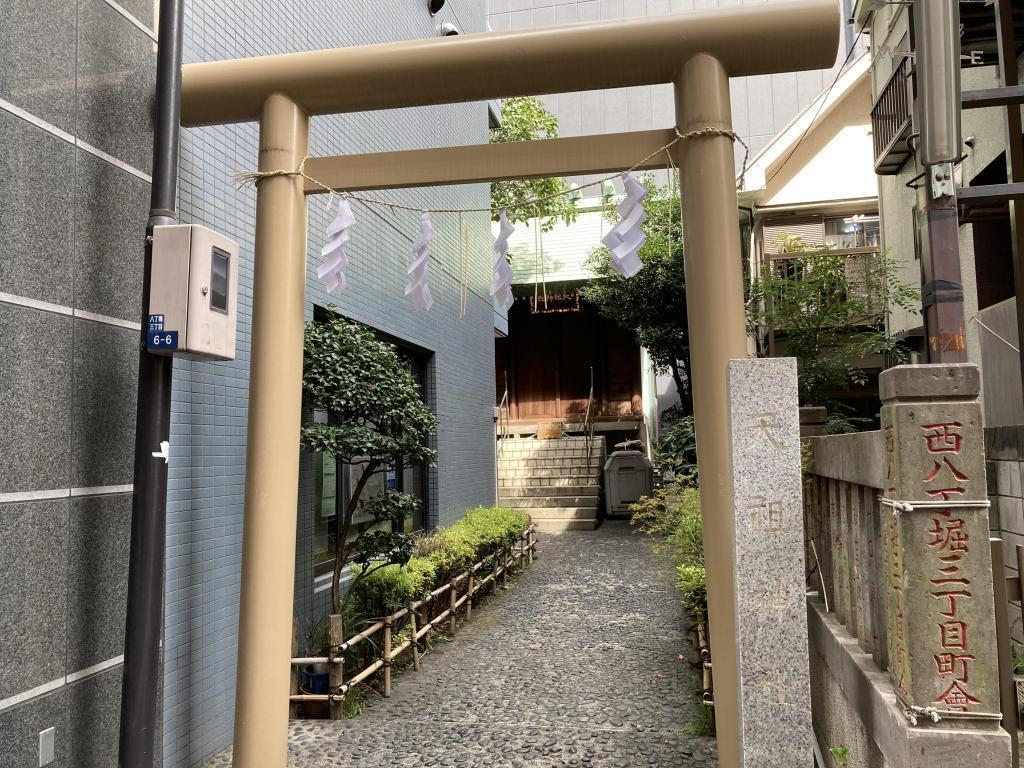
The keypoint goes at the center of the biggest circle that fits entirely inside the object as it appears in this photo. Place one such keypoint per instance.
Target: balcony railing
(891, 121)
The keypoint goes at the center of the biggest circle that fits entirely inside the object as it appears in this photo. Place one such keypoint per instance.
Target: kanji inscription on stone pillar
(771, 603)
(942, 643)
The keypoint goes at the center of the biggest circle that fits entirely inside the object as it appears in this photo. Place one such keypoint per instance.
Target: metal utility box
(193, 292)
(628, 475)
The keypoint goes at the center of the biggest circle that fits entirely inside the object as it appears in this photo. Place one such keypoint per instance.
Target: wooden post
(497, 566)
(530, 545)
(507, 554)
(453, 593)
(469, 596)
(415, 641)
(336, 670)
(293, 707)
(387, 656)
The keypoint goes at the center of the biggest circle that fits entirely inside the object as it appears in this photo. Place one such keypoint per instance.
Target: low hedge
(441, 555)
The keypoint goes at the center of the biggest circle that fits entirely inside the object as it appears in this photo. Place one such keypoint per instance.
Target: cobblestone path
(574, 665)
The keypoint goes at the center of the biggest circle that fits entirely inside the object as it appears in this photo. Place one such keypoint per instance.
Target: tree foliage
(378, 419)
(652, 303)
(525, 118)
(830, 310)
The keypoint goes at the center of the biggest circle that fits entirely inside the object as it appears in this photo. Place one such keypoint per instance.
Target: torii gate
(696, 52)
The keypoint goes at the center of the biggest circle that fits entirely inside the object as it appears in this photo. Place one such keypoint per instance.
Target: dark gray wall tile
(37, 58)
(116, 82)
(103, 411)
(93, 717)
(35, 388)
(111, 208)
(36, 209)
(20, 727)
(99, 533)
(143, 10)
(33, 594)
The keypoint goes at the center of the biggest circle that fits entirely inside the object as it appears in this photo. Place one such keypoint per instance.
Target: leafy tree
(525, 118)
(652, 303)
(378, 419)
(830, 310)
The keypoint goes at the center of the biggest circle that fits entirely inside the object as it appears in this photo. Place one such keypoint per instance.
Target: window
(858, 231)
(220, 268)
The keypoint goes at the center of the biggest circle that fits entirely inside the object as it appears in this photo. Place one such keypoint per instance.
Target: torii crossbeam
(696, 52)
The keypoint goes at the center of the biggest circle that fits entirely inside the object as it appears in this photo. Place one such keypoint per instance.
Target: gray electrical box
(193, 292)
(628, 475)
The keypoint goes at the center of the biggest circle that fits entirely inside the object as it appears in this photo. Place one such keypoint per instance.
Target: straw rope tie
(243, 178)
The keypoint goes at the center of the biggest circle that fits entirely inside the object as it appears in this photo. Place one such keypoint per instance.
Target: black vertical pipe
(144, 620)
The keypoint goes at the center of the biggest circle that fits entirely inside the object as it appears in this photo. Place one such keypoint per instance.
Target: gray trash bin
(628, 475)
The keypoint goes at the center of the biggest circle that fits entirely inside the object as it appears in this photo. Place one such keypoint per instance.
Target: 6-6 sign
(162, 340)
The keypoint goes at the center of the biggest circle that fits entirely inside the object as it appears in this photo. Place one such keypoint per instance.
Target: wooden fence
(421, 617)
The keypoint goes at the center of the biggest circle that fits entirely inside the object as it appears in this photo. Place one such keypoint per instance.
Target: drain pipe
(144, 621)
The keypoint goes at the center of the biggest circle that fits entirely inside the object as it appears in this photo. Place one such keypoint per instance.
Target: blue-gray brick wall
(210, 407)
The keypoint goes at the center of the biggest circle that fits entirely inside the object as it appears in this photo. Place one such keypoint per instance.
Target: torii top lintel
(748, 40)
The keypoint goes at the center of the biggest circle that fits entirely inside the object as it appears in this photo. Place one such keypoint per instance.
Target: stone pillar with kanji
(941, 621)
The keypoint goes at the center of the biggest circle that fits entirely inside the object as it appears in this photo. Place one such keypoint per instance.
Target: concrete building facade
(76, 88)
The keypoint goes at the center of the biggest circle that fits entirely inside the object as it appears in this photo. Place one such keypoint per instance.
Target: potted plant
(314, 676)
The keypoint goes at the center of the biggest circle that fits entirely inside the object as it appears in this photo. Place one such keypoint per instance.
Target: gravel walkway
(574, 665)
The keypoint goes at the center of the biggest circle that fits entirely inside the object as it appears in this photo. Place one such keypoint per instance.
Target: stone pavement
(574, 665)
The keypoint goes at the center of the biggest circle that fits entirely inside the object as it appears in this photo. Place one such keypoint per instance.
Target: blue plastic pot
(316, 681)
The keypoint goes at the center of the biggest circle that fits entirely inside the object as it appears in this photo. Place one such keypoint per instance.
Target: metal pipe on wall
(144, 620)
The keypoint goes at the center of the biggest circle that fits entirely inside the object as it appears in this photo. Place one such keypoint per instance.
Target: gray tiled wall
(210, 406)
(1004, 451)
(761, 106)
(76, 81)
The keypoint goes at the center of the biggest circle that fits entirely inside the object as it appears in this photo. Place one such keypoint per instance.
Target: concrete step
(547, 501)
(550, 490)
(558, 526)
(550, 463)
(571, 440)
(566, 444)
(560, 513)
(540, 474)
(550, 481)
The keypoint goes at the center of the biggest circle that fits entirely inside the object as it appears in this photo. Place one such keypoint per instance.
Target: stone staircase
(554, 481)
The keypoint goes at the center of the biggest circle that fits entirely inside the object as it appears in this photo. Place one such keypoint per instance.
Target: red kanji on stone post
(941, 617)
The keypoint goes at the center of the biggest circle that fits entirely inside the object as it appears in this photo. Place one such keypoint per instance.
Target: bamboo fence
(420, 623)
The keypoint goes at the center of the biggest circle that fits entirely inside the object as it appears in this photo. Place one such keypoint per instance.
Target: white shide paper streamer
(335, 253)
(626, 237)
(418, 289)
(501, 285)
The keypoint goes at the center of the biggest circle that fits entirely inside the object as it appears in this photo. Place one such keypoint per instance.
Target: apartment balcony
(891, 120)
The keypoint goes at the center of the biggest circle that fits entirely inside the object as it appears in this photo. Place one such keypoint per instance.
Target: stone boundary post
(771, 603)
(941, 622)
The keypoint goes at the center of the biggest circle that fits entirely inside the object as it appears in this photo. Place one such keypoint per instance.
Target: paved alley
(574, 665)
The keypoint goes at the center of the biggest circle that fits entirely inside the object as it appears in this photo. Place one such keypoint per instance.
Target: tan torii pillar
(718, 334)
(695, 51)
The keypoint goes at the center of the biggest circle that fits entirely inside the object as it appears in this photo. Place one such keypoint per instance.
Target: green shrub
(494, 526)
(672, 517)
(676, 451)
(693, 589)
(440, 556)
(385, 590)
